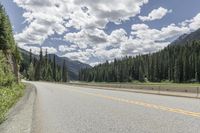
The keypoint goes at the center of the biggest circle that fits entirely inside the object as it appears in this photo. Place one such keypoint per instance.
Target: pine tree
(31, 72)
(30, 56)
(16, 59)
(176, 63)
(45, 67)
(54, 67)
(49, 73)
(37, 74)
(38, 67)
(46, 58)
(58, 74)
(3, 30)
(177, 71)
(64, 72)
(196, 68)
(41, 56)
(141, 74)
(7, 43)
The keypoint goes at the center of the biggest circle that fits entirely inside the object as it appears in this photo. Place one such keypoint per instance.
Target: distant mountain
(73, 66)
(185, 38)
(179, 62)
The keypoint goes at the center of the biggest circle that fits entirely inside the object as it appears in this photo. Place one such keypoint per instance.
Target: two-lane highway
(68, 109)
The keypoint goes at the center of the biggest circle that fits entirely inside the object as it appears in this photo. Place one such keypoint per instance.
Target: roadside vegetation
(9, 95)
(157, 87)
(10, 90)
(134, 83)
(10, 87)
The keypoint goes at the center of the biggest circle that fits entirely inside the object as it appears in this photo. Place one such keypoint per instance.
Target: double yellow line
(140, 103)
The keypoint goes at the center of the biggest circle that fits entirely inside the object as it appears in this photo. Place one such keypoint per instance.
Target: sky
(93, 31)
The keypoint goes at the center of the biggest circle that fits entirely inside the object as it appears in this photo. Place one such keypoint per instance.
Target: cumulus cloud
(142, 31)
(44, 19)
(36, 50)
(104, 10)
(89, 42)
(195, 22)
(39, 30)
(155, 14)
(142, 40)
(51, 50)
(49, 17)
(66, 48)
(82, 56)
(115, 45)
(96, 43)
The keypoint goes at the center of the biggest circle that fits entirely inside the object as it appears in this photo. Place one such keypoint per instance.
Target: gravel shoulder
(19, 118)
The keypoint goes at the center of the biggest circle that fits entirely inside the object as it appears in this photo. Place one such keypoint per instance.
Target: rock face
(13, 65)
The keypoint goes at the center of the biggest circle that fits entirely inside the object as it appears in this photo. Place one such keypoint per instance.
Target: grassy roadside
(8, 97)
(170, 87)
(142, 84)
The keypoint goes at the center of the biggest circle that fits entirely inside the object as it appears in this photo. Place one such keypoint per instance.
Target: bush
(10, 91)
(6, 75)
(8, 97)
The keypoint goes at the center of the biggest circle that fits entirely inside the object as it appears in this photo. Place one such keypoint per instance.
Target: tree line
(45, 69)
(41, 68)
(9, 53)
(175, 63)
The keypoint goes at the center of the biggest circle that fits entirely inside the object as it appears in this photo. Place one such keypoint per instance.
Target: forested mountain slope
(73, 66)
(10, 87)
(176, 63)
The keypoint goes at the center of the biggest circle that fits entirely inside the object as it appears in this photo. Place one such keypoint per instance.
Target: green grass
(164, 83)
(8, 97)
(168, 84)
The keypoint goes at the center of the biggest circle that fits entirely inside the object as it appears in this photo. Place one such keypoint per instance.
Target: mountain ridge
(73, 66)
(185, 38)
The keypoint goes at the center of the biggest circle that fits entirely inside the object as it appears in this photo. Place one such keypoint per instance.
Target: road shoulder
(19, 118)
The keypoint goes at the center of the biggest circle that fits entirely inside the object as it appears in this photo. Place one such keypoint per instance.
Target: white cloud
(195, 22)
(44, 19)
(87, 38)
(114, 11)
(95, 63)
(155, 14)
(139, 27)
(82, 56)
(52, 16)
(36, 50)
(146, 40)
(96, 46)
(50, 50)
(171, 31)
(40, 29)
(90, 43)
(66, 48)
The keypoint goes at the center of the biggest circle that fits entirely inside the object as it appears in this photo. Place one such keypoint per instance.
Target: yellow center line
(140, 103)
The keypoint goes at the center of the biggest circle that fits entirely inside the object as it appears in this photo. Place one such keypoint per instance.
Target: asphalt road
(68, 109)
